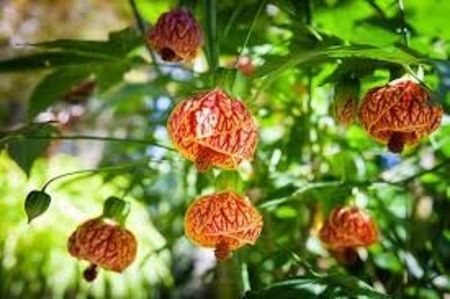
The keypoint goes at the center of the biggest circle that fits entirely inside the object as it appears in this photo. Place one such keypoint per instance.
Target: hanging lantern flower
(225, 221)
(348, 227)
(176, 36)
(212, 129)
(399, 113)
(104, 242)
(345, 102)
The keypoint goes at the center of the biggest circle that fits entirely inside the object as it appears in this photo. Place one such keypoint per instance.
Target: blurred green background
(306, 163)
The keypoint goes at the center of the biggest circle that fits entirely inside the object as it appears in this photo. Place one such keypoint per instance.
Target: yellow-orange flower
(348, 227)
(399, 114)
(176, 36)
(225, 221)
(103, 243)
(212, 129)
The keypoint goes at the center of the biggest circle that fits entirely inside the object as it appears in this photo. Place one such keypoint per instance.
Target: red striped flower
(212, 129)
(224, 221)
(348, 227)
(176, 36)
(103, 243)
(399, 114)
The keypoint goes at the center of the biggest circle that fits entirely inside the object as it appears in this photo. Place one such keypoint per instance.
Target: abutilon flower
(348, 227)
(225, 221)
(212, 129)
(176, 36)
(103, 243)
(399, 113)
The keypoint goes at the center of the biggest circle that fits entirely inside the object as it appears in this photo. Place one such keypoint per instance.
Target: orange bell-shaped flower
(348, 227)
(176, 36)
(103, 243)
(225, 221)
(212, 129)
(399, 113)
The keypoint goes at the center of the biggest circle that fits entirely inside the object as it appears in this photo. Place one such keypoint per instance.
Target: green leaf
(76, 52)
(54, 86)
(36, 203)
(275, 66)
(304, 288)
(351, 286)
(46, 60)
(322, 191)
(25, 151)
(110, 74)
(317, 286)
(119, 44)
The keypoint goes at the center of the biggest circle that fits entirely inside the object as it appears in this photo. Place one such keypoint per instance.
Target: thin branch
(143, 30)
(424, 172)
(402, 21)
(95, 170)
(308, 13)
(211, 34)
(377, 8)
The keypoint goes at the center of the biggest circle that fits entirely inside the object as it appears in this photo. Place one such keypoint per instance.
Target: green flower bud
(36, 203)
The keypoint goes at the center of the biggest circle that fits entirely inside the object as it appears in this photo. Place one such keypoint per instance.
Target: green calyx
(229, 181)
(116, 209)
(347, 88)
(346, 99)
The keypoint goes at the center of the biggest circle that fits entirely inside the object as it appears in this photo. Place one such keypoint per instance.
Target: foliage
(306, 164)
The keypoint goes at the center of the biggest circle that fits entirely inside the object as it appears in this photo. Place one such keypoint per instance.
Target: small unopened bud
(36, 203)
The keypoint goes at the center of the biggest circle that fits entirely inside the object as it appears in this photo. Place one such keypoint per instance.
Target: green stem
(424, 172)
(143, 30)
(236, 11)
(211, 34)
(402, 21)
(247, 37)
(96, 170)
(308, 13)
(377, 8)
(249, 33)
(245, 278)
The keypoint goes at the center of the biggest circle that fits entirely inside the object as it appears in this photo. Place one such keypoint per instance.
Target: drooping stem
(212, 45)
(90, 273)
(143, 30)
(96, 170)
(308, 19)
(402, 21)
(424, 172)
(377, 8)
(308, 13)
(396, 142)
(222, 251)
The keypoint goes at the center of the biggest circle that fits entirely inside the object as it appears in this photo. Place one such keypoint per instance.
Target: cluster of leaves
(305, 165)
